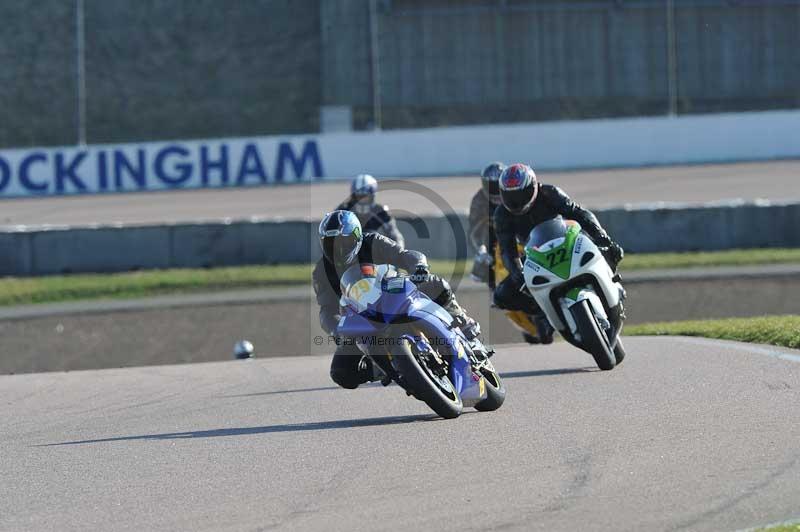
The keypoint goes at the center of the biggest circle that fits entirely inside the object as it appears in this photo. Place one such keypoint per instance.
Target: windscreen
(546, 232)
(361, 284)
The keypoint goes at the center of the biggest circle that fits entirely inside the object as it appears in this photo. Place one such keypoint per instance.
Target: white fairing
(359, 291)
(596, 266)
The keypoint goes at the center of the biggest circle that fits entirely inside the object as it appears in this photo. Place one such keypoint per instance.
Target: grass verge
(60, 288)
(775, 330)
(700, 259)
(789, 527)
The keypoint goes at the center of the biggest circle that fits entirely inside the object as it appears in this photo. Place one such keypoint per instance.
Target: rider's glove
(613, 254)
(517, 278)
(482, 266)
(421, 274)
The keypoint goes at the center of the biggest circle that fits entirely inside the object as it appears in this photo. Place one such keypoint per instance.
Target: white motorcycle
(566, 273)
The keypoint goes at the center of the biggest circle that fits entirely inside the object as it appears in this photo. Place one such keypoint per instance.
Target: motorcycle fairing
(371, 304)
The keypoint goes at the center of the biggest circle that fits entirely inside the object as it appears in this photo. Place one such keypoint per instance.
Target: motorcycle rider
(525, 203)
(374, 217)
(481, 228)
(344, 245)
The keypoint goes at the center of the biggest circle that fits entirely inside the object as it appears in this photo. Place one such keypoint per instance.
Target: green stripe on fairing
(563, 268)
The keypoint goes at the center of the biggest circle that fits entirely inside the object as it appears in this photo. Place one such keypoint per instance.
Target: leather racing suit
(375, 249)
(377, 219)
(481, 230)
(550, 202)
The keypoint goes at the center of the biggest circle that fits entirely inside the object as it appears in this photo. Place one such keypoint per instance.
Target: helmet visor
(341, 249)
(492, 190)
(364, 197)
(518, 201)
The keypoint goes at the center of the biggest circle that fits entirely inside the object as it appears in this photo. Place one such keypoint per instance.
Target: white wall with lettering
(398, 153)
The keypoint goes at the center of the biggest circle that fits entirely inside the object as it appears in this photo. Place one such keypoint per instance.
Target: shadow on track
(268, 429)
(545, 372)
(298, 390)
(507, 375)
(306, 390)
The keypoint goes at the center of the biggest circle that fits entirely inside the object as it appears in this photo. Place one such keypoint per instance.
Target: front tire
(593, 339)
(437, 392)
(619, 351)
(495, 390)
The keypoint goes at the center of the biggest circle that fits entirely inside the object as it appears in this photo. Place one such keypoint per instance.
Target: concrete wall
(201, 68)
(38, 83)
(157, 70)
(113, 249)
(484, 61)
(432, 151)
(566, 145)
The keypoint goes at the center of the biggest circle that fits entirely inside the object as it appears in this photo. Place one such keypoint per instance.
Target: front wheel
(619, 351)
(428, 381)
(593, 339)
(495, 390)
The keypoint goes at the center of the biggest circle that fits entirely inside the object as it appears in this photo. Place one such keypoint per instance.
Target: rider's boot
(468, 326)
(544, 329)
(531, 339)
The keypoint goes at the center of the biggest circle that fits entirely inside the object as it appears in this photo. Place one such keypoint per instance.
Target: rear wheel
(593, 338)
(495, 391)
(426, 378)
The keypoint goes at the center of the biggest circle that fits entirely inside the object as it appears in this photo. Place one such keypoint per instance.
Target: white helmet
(363, 189)
(363, 185)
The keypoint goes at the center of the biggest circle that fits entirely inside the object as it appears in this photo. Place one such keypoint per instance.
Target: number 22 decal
(556, 257)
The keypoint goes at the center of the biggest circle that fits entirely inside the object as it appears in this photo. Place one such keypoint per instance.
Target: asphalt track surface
(776, 180)
(687, 434)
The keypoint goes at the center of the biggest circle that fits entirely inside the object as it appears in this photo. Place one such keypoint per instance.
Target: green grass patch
(792, 527)
(775, 330)
(59, 288)
(734, 257)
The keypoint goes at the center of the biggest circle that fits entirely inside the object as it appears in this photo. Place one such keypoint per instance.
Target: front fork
(609, 320)
(467, 381)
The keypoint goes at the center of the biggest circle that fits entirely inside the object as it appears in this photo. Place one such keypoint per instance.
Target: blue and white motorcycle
(415, 342)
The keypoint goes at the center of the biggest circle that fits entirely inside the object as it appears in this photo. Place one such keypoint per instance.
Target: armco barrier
(101, 249)
(16, 256)
(648, 228)
(719, 226)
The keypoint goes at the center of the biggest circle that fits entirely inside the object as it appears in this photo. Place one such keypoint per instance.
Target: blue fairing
(404, 303)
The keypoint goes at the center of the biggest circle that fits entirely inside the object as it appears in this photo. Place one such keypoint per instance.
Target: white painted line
(748, 348)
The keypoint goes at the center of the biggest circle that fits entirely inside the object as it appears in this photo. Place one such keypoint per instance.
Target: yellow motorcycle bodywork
(521, 320)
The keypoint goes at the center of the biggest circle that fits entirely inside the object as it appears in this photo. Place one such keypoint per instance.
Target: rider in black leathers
(348, 370)
(481, 227)
(526, 203)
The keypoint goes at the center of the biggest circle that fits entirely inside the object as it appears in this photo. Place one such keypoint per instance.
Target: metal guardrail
(29, 250)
